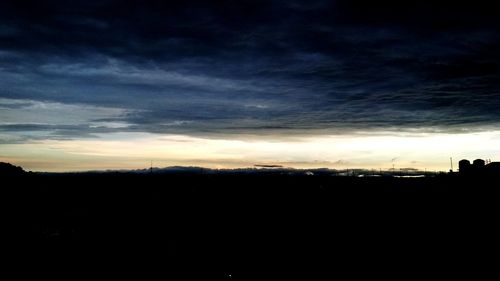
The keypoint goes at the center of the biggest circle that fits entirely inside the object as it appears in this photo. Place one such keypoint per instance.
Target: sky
(88, 85)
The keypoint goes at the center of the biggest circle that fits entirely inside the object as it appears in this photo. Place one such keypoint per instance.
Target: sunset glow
(120, 151)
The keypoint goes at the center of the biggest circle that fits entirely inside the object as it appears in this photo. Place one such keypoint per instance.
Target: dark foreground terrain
(186, 226)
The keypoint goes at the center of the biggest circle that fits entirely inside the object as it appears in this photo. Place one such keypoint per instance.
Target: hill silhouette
(11, 170)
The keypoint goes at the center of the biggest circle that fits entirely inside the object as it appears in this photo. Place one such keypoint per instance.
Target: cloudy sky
(341, 84)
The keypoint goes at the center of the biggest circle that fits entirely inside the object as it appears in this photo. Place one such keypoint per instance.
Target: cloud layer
(246, 67)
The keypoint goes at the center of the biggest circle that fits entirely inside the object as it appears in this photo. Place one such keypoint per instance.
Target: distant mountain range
(9, 169)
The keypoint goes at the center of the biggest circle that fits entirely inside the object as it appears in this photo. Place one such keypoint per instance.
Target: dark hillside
(258, 226)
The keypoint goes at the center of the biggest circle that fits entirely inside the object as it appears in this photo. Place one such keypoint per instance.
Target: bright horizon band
(135, 151)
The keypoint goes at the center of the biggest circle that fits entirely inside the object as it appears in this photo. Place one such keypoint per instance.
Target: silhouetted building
(478, 163)
(464, 166)
(493, 168)
(478, 168)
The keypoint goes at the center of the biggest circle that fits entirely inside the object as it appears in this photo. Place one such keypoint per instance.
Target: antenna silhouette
(151, 167)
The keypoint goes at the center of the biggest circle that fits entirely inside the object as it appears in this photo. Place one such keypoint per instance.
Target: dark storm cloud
(205, 67)
(59, 132)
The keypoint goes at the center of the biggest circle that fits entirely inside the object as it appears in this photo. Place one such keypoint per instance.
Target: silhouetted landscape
(249, 139)
(192, 224)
